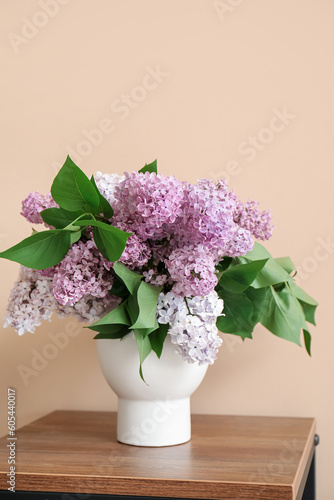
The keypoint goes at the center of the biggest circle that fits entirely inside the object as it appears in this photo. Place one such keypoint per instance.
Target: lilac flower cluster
(82, 272)
(249, 217)
(107, 184)
(33, 205)
(192, 325)
(193, 271)
(180, 232)
(148, 204)
(31, 301)
(136, 254)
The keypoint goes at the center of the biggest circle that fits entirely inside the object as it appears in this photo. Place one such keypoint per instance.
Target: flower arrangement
(150, 254)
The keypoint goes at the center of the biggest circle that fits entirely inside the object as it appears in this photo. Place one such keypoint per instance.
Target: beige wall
(222, 76)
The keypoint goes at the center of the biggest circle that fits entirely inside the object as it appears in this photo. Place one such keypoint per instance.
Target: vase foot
(153, 423)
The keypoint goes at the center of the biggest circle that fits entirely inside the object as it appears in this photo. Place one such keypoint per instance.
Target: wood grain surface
(228, 457)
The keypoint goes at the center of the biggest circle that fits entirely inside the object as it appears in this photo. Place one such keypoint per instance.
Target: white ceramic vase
(156, 413)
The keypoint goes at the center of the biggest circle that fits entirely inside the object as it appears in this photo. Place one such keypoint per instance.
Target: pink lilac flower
(148, 204)
(33, 205)
(241, 243)
(136, 253)
(82, 272)
(249, 217)
(154, 278)
(193, 271)
(207, 217)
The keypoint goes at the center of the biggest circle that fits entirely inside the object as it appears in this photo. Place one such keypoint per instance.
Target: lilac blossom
(192, 269)
(31, 301)
(136, 253)
(241, 243)
(149, 204)
(249, 217)
(192, 325)
(153, 277)
(33, 205)
(107, 183)
(207, 217)
(82, 272)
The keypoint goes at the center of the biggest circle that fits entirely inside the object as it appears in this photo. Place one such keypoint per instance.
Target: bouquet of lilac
(156, 256)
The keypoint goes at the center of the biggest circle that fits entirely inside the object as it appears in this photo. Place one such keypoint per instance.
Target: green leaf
(260, 298)
(133, 307)
(157, 339)
(118, 288)
(141, 306)
(72, 189)
(144, 348)
(149, 167)
(60, 218)
(309, 311)
(75, 236)
(41, 250)
(118, 316)
(258, 252)
(283, 315)
(104, 205)
(112, 332)
(224, 263)
(237, 278)
(147, 298)
(301, 295)
(308, 304)
(129, 278)
(271, 274)
(110, 240)
(238, 312)
(286, 263)
(148, 331)
(307, 340)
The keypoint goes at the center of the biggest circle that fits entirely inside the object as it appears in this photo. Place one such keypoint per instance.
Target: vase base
(153, 423)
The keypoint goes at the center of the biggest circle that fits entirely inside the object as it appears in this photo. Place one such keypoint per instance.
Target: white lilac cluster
(31, 301)
(107, 184)
(192, 325)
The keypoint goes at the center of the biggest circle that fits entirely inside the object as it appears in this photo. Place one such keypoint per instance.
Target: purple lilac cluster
(148, 204)
(192, 269)
(82, 272)
(180, 232)
(33, 205)
(251, 219)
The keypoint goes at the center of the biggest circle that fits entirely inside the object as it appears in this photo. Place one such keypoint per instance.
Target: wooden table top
(228, 457)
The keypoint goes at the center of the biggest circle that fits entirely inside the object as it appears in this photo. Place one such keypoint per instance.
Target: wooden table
(228, 457)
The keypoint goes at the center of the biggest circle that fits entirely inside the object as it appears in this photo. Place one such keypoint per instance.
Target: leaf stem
(186, 301)
(70, 227)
